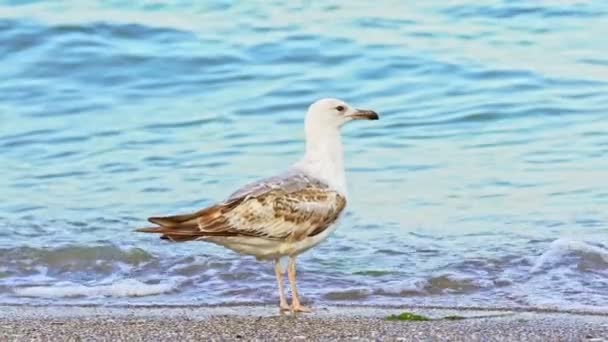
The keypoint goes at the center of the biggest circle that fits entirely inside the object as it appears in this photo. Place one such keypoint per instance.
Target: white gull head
(324, 154)
(330, 114)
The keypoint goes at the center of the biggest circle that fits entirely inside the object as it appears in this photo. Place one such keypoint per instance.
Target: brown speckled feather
(290, 207)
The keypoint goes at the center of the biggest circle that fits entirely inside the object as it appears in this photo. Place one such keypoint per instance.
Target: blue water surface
(483, 184)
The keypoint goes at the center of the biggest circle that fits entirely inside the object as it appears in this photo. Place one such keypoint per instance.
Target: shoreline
(587, 311)
(263, 322)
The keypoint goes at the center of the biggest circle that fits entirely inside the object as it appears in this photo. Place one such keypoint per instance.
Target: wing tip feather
(155, 220)
(149, 230)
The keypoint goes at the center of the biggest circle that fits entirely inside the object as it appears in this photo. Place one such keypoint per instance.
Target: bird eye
(340, 108)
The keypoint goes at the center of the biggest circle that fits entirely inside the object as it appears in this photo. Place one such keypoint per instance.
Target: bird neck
(324, 156)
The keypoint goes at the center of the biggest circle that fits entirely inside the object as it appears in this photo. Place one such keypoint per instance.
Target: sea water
(484, 183)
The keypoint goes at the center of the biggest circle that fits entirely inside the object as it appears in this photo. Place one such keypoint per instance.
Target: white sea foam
(121, 288)
(562, 246)
(403, 287)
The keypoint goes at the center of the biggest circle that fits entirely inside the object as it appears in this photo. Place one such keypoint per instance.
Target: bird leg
(291, 274)
(283, 306)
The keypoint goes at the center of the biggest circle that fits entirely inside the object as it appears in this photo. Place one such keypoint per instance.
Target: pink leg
(283, 306)
(291, 274)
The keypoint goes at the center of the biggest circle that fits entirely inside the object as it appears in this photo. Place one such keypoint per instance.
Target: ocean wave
(563, 247)
(87, 261)
(121, 288)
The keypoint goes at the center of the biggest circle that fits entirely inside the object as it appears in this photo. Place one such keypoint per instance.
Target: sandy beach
(74, 323)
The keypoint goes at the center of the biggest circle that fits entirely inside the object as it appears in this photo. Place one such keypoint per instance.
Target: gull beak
(363, 114)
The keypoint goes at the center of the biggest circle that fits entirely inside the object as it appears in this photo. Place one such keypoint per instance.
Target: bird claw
(300, 308)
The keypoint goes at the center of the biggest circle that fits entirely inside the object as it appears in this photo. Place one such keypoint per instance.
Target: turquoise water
(483, 184)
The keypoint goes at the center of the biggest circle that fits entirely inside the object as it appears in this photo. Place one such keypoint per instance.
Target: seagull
(285, 215)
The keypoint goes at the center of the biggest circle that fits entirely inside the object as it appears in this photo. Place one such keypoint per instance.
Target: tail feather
(204, 223)
(174, 238)
(187, 225)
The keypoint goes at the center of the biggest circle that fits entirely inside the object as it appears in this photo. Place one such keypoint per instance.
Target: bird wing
(291, 207)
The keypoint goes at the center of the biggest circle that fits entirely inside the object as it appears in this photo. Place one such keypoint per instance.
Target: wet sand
(74, 323)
